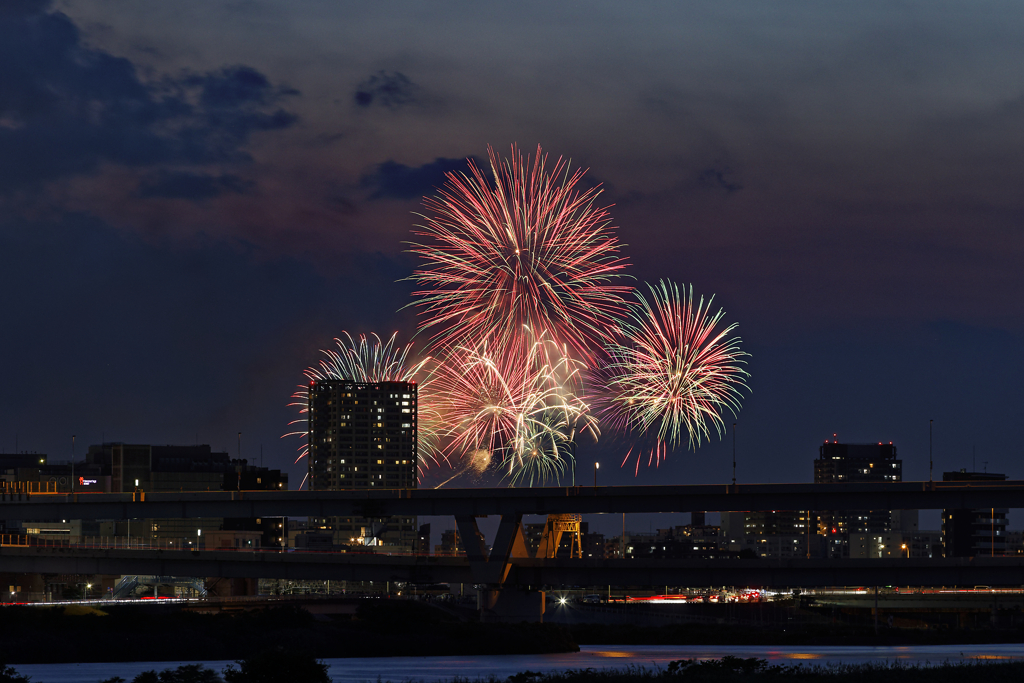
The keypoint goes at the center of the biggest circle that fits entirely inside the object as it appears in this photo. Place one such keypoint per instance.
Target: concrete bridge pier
(496, 601)
(510, 604)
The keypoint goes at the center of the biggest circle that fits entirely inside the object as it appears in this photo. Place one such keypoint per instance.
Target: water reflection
(431, 669)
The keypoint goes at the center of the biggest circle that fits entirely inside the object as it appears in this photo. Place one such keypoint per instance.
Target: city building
(152, 468)
(694, 540)
(451, 544)
(638, 544)
(1015, 542)
(241, 476)
(924, 543)
(840, 463)
(423, 540)
(363, 435)
(769, 533)
(593, 543)
(967, 533)
(36, 472)
(232, 540)
(918, 544)
(887, 545)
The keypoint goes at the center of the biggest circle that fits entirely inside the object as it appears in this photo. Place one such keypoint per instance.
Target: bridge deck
(997, 571)
(499, 501)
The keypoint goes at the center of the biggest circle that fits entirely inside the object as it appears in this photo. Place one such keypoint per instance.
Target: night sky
(197, 196)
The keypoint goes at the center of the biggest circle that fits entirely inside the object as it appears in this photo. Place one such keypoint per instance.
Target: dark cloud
(391, 90)
(66, 108)
(719, 178)
(235, 86)
(392, 180)
(192, 186)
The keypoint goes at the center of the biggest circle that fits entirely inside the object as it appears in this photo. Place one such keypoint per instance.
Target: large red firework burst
(529, 250)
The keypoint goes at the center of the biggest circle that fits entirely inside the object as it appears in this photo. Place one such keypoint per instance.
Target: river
(429, 669)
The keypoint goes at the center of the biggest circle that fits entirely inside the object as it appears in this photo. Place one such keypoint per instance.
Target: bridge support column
(498, 601)
(511, 604)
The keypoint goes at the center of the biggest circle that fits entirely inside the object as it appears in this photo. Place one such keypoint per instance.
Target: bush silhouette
(278, 666)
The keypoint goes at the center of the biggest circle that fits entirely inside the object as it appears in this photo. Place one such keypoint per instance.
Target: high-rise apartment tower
(362, 436)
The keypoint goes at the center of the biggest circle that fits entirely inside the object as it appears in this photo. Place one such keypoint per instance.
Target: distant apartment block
(968, 533)
(841, 463)
(363, 436)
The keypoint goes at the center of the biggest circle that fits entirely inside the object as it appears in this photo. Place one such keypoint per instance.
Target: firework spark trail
(673, 372)
(517, 410)
(529, 250)
(367, 361)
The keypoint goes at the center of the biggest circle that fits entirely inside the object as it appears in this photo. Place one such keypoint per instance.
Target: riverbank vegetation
(280, 666)
(270, 666)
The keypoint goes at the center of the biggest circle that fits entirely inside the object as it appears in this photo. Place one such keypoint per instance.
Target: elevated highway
(505, 501)
(522, 572)
(504, 567)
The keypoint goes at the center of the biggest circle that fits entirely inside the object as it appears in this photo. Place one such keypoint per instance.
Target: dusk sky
(198, 196)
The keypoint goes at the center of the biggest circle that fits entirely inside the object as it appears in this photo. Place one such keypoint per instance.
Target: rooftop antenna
(930, 450)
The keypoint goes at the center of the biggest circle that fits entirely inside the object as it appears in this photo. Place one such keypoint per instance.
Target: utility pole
(72, 463)
(930, 450)
(622, 545)
(734, 454)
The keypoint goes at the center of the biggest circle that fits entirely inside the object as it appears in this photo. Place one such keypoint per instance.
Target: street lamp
(130, 519)
(597, 466)
(904, 547)
(572, 455)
